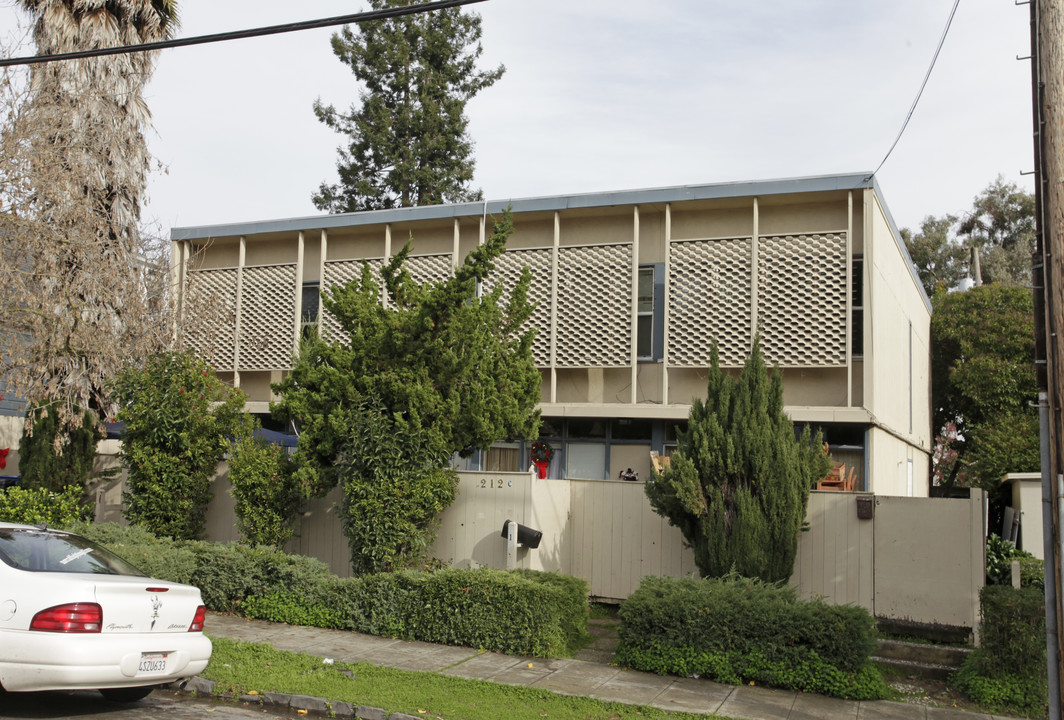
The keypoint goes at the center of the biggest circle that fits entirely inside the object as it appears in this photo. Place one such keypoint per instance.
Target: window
(650, 312)
(309, 308)
(857, 309)
(645, 300)
(585, 461)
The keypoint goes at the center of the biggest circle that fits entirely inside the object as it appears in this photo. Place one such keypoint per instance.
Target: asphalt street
(160, 704)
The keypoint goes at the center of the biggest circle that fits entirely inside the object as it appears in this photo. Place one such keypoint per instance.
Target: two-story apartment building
(632, 289)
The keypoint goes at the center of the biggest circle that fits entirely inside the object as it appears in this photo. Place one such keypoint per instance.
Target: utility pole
(1047, 75)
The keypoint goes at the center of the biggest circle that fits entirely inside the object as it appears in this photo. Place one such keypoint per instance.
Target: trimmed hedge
(738, 630)
(1007, 672)
(520, 612)
(226, 574)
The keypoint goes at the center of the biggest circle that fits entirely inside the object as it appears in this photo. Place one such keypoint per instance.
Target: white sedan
(74, 616)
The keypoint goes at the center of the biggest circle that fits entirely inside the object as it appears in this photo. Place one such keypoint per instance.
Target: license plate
(152, 663)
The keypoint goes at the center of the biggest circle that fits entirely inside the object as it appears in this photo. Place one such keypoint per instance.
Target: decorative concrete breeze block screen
(802, 299)
(430, 268)
(594, 306)
(709, 299)
(267, 312)
(507, 272)
(339, 273)
(210, 313)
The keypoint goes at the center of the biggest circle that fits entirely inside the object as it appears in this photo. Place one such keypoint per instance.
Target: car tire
(127, 694)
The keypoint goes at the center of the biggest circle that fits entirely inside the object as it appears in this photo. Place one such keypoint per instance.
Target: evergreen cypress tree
(408, 142)
(40, 465)
(449, 368)
(738, 485)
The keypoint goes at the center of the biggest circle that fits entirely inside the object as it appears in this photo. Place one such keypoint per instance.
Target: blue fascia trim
(821, 183)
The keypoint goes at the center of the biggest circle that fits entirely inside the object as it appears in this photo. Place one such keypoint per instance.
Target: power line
(927, 75)
(241, 34)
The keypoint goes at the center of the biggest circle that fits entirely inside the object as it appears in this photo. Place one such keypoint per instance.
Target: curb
(303, 704)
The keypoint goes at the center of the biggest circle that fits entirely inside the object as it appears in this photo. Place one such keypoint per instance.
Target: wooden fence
(915, 559)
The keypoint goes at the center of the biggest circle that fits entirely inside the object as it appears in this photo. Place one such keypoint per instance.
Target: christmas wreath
(542, 452)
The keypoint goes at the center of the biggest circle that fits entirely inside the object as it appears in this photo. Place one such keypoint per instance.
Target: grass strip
(243, 667)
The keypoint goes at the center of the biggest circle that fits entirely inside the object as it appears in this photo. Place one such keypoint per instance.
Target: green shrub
(177, 415)
(740, 630)
(1007, 671)
(41, 506)
(1025, 695)
(1013, 631)
(226, 574)
(526, 612)
(999, 556)
(802, 670)
(229, 573)
(395, 486)
(158, 557)
(286, 607)
(522, 612)
(266, 495)
(1032, 573)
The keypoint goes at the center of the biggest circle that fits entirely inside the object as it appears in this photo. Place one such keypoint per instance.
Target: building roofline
(820, 183)
(678, 193)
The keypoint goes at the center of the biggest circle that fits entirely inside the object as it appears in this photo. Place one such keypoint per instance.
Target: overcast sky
(604, 95)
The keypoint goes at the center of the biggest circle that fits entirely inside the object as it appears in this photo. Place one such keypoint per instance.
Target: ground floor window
(619, 448)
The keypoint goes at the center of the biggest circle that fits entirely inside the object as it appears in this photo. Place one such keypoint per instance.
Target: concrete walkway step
(926, 660)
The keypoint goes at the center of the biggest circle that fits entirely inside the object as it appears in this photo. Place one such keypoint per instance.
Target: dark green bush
(39, 466)
(1007, 672)
(736, 629)
(526, 612)
(41, 506)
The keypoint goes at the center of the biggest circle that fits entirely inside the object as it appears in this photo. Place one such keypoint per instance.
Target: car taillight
(198, 620)
(69, 618)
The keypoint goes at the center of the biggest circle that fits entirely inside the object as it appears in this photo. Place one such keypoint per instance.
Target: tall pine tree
(738, 485)
(408, 135)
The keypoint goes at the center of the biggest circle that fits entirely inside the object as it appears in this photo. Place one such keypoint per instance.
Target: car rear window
(52, 551)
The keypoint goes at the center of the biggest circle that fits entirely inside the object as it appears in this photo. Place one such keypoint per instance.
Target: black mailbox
(525, 535)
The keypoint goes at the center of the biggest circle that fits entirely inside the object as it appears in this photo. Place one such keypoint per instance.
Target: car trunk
(142, 605)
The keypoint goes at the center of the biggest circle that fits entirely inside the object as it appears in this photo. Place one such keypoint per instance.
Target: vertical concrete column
(554, 308)
(298, 295)
(456, 259)
(239, 304)
(755, 289)
(849, 299)
(665, 314)
(635, 304)
(321, 274)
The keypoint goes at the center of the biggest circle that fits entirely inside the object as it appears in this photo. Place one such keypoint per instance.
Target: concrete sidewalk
(574, 677)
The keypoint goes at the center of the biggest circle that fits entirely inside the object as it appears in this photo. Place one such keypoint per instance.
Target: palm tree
(74, 196)
(96, 104)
